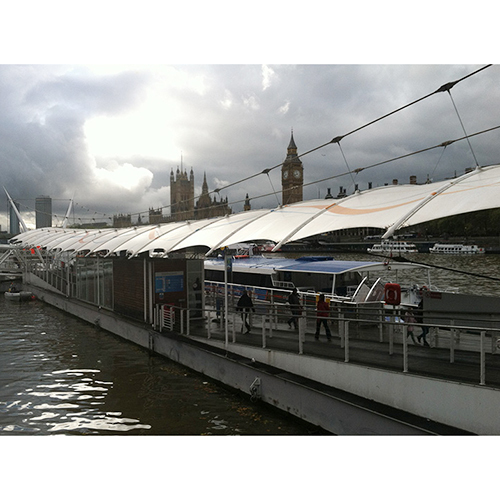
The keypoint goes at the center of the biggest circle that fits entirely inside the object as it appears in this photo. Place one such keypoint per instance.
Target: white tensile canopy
(389, 207)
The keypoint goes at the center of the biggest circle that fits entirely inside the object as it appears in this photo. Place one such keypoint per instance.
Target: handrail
(265, 323)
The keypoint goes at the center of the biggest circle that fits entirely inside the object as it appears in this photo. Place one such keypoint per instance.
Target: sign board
(168, 282)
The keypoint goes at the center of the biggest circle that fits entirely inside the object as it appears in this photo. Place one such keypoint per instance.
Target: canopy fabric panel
(164, 237)
(388, 207)
(324, 266)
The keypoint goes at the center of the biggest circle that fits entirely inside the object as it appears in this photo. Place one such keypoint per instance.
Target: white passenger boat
(351, 281)
(392, 247)
(456, 249)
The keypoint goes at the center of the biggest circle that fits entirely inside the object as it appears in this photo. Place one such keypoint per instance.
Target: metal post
(234, 330)
(391, 334)
(342, 325)
(274, 309)
(346, 342)
(405, 348)
(188, 322)
(483, 359)
(181, 314)
(227, 262)
(381, 326)
(301, 338)
(263, 332)
(151, 288)
(452, 342)
(98, 283)
(270, 319)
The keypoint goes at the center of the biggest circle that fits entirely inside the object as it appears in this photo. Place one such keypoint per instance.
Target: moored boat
(20, 296)
(344, 281)
(456, 249)
(390, 247)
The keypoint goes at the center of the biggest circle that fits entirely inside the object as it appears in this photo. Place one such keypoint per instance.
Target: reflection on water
(60, 375)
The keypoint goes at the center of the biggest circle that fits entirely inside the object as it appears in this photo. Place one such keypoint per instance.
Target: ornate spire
(292, 149)
(292, 143)
(204, 187)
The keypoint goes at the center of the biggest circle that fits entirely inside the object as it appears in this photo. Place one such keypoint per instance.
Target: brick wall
(128, 287)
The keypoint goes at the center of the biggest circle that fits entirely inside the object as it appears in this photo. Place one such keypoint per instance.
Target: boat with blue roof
(339, 280)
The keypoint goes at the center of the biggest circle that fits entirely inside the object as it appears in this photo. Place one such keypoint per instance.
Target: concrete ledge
(473, 408)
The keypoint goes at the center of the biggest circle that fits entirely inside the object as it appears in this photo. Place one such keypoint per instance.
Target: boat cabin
(357, 281)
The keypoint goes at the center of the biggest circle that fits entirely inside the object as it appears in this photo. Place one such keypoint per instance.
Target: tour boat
(456, 249)
(391, 247)
(345, 281)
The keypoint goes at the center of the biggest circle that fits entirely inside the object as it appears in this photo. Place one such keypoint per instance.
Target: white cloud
(218, 183)
(227, 102)
(125, 176)
(267, 76)
(285, 108)
(251, 102)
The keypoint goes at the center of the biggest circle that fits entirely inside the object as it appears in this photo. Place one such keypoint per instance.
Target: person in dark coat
(244, 305)
(295, 309)
(419, 317)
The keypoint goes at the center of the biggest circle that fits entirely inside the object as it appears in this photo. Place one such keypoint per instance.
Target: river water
(467, 274)
(60, 375)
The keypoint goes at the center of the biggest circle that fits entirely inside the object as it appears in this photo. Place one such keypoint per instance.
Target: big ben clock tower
(292, 175)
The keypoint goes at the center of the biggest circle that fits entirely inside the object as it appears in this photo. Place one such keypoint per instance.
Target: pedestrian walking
(419, 316)
(322, 315)
(244, 305)
(410, 320)
(295, 309)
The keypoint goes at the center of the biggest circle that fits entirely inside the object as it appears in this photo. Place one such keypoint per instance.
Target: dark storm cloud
(43, 148)
(232, 121)
(88, 95)
(243, 127)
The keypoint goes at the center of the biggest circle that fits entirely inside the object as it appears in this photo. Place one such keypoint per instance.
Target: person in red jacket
(322, 314)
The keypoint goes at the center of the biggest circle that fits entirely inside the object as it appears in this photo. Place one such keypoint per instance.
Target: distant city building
(292, 176)
(247, 205)
(14, 224)
(207, 208)
(156, 216)
(181, 195)
(122, 220)
(342, 192)
(43, 211)
(182, 199)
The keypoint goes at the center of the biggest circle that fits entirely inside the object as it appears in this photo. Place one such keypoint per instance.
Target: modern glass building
(43, 209)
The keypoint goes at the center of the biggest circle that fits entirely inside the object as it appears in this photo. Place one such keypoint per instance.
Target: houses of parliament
(182, 198)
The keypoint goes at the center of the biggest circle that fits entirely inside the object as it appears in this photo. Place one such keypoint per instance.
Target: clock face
(285, 174)
(296, 173)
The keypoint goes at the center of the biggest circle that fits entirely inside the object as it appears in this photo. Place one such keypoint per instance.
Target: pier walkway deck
(365, 348)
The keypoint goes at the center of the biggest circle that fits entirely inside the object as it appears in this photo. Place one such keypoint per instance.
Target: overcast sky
(108, 135)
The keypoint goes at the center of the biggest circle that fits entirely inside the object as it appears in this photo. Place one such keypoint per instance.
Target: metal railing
(350, 323)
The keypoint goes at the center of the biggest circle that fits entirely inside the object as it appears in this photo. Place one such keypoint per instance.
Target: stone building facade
(182, 199)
